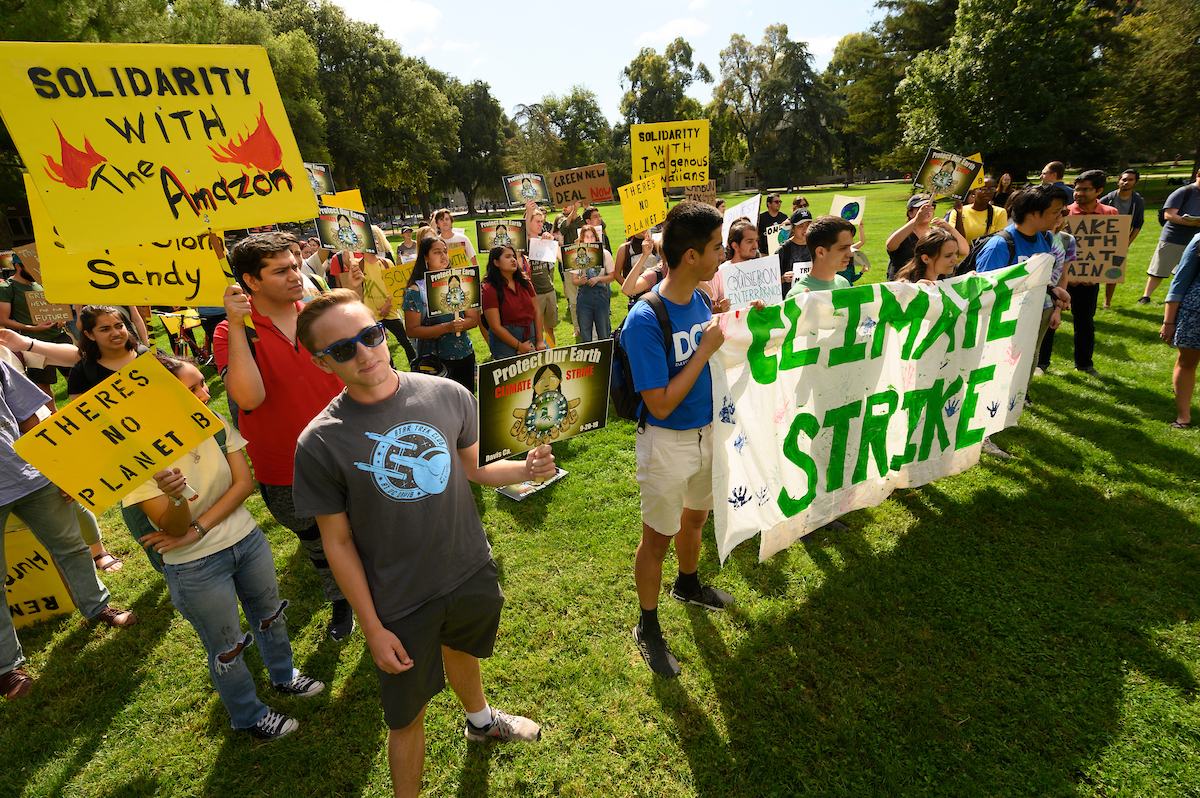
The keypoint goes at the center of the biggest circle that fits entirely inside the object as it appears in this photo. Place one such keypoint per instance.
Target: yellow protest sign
(395, 281)
(117, 435)
(178, 271)
(682, 145)
(351, 199)
(458, 257)
(33, 588)
(978, 182)
(129, 143)
(643, 204)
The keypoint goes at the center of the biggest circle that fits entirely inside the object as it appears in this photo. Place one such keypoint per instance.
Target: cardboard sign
(452, 290)
(320, 177)
(117, 435)
(945, 174)
(544, 249)
(706, 193)
(524, 187)
(851, 209)
(747, 208)
(583, 256)
(680, 148)
(749, 280)
(540, 397)
(585, 185)
(345, 228)
(41, 310)
(129, 143)
(831, 400)
(500, 233)
(776, 233)
(1101, 243)
(643, 204)
(33, 587)
(176, 272)
(29, 259)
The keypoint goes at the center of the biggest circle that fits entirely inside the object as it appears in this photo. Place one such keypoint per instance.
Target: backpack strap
(988, 225)
(221, 439)
(1012, 245)
(655, 302)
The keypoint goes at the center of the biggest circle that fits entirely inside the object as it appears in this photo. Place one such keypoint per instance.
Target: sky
(590, 43)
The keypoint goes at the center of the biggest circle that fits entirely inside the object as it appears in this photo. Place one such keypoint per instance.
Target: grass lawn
(1029, 627)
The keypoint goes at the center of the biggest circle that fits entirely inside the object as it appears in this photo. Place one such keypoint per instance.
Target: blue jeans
(55, 525)
(592, 307)
(206, 593)
(501, 350)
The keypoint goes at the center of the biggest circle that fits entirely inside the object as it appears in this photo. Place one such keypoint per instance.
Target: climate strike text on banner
(833, 399)
(130, 143)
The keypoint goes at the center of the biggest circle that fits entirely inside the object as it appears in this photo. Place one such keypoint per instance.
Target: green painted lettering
(965, 436)
(852, 300)
(872, 440)
(764, 369)
(790, 358)
(839, 420)
(891, 315)
(915, 401)
(806, 423)
(1004, 329)
(935, 420)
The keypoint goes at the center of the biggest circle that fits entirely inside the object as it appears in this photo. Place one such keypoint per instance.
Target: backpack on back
(967, 264)
(1162, 212)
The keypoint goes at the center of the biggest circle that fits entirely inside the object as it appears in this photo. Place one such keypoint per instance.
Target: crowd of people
(370, 465)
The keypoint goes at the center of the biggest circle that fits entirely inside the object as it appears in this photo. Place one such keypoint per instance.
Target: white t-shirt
(459, 238)
(207, 472)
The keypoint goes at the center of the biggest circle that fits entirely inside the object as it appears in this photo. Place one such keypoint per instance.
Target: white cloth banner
(833, 399)
(749, 280)
(748, 208)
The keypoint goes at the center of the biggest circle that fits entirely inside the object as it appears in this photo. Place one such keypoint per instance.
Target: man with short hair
(385, 468)
(443, 220)
(277, 388)
(1130, 203)
(26, 492)
(1181, 218)
(795, 258)
(981, 217)
(15, 315)
(770, 222)
(1052, 173)
(830, 240)
(674, 450)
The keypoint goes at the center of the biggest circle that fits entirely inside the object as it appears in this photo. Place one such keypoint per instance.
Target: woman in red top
(510, 307)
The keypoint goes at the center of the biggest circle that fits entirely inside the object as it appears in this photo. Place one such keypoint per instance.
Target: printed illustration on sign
(849, 208)
(524, 187)
(320, 177)
(549, 413)
(500, 233)
(409, 462)
(345, 229)
(944, 174)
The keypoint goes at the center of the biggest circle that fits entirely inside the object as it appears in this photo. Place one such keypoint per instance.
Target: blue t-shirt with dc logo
(642, 340)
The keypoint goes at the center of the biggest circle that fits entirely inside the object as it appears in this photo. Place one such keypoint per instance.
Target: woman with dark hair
(439, 335)
(638, 277)
(510, 306)
(1181, 328)
(934, 257)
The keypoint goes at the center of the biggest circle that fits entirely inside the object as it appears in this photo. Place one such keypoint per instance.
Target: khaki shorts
(548, 304)
(674, 473)
(1166, 259)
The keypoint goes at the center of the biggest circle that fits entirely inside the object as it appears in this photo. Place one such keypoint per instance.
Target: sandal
(1179, 425)
(112, 565)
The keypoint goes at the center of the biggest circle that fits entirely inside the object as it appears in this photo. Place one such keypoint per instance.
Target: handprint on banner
(764, 496)
(739, 442)
(739, 497)
(727, 410)
(1013, 400)
(780, 412)
(952, 407)
(909, 375)
(1012, 356)
(993, 408)
(866, 327)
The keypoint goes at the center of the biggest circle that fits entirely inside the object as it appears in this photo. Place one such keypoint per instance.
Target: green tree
(534, 146)
(579, 125)
(864, 78)
(912, 27)
(478, 163)
(658, 85)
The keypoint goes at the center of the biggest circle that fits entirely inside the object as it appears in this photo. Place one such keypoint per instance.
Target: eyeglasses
(344, 350)
(774, 202)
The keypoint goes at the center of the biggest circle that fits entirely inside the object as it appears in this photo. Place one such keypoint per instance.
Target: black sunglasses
(344, 350)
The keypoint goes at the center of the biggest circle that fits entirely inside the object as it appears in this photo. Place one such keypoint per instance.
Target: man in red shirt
(1088, 188)
(276, 386)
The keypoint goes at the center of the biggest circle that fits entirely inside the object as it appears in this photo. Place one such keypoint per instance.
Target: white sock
(481, 718)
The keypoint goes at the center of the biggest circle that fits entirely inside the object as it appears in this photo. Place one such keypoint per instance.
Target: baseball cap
(406, 229)
(802, 215)
(917, 201)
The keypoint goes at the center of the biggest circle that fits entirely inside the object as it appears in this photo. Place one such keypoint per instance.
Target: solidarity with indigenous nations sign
(129, 143)
(831, 400)
(677, 150)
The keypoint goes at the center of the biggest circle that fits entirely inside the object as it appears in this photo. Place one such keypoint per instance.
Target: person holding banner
(509, 305)
(594, 297)
(386, 470)
(934, 258)
(277, 388)
(445, 339)
(674, 450)
(1181, 328)
(214, 554)
(444, 221)
(26, 492)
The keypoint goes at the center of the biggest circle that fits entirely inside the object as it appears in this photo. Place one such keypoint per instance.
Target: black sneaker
(656, 654)
(1144, 300)
(301, 686)
(1090, 370)
(342, 623)
(273, 726)
(709, 597)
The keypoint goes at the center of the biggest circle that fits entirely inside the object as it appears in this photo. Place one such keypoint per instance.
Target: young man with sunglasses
(277, 388)
(385, 469)
(770, 222)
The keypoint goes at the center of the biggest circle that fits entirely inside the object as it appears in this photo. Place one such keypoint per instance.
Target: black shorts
(466, 619)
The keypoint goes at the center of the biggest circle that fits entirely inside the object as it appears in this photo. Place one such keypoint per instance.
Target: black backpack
(627, 402)
(967, 264)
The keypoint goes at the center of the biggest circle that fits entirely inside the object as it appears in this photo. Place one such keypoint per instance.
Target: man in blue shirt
(1052, 173)
(674, 451)
(1032, 214)
(1182, 214)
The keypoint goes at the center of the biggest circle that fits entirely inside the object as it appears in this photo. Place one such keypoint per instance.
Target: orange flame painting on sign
(76, 166)
(261, 150)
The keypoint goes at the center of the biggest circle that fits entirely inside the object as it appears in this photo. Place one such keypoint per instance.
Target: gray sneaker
(994, 450)
(504, 728)
(273, 726)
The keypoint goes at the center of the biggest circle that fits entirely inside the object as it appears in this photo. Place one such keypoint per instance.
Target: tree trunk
(470, 195)
(426, 211)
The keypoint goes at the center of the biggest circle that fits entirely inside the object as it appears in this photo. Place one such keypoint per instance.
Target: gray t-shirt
(393, 467)
(1135, 206)
(19, 399)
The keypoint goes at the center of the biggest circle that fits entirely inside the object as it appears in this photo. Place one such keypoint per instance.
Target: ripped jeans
(206, 592)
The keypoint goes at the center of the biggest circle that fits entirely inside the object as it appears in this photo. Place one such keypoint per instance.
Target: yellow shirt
(975, 222)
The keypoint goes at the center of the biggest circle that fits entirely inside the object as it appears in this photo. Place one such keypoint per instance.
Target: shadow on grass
(985, 654)
(477, 762)
(79, 691)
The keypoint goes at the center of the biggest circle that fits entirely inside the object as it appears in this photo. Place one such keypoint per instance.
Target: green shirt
(813, 284)
(13, 292)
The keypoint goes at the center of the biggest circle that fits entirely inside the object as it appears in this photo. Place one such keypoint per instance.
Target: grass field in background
(1029, 627)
